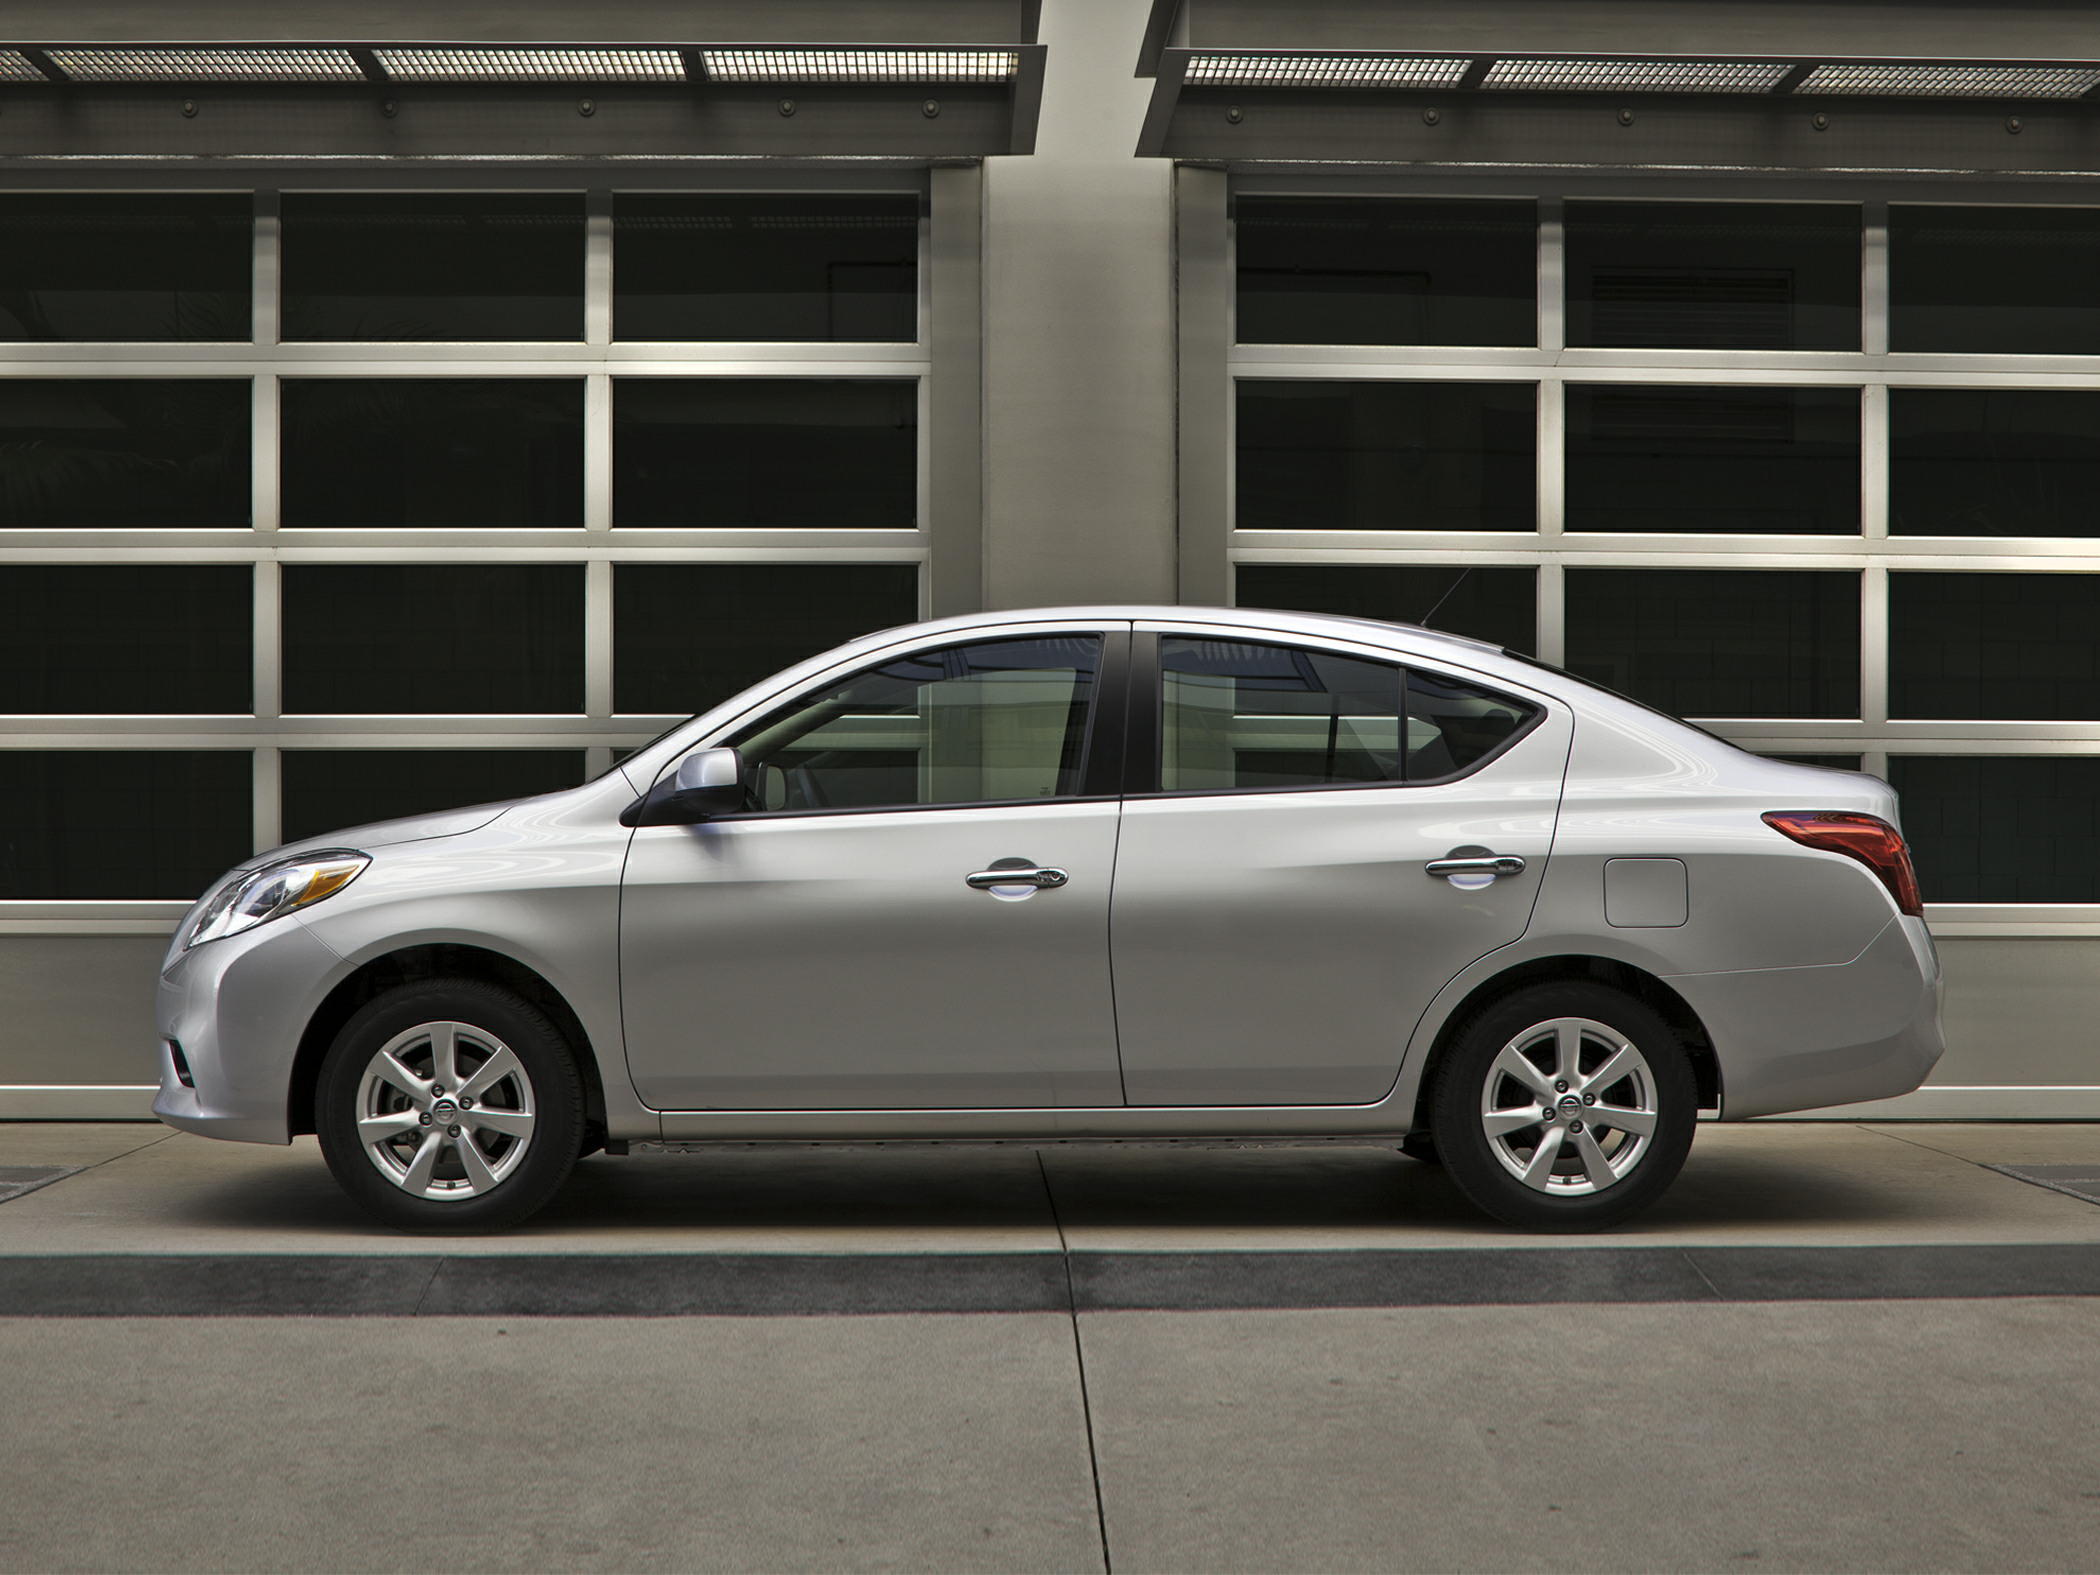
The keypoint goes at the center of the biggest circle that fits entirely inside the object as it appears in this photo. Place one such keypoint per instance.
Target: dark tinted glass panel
(443, 266)
(122, 823)
(99, 268)
(1749, 461)
(1719, 642)
(722, 452)
(126, 638)
(1387, 456)
(768, 267)
(2005, 281)
(1995, 647)
(1380, 271)
(1453, 726)
(432, 453)
(1238, 715)
(433, 638)
(687, 635)
(1993, 462)
(1495, 605)
(969, 724)
(1713, 275)
(2002, 830)
(331, 789)
(118, 453)
(1834, 762)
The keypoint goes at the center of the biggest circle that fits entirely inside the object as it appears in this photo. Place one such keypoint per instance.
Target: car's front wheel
(450, 1106)
(1565, 1107)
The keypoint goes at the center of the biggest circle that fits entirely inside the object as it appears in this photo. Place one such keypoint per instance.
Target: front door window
(998, 722)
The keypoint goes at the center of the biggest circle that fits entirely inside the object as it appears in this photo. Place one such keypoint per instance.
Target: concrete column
(1203, 309)
(1079, 334)
(955, 343)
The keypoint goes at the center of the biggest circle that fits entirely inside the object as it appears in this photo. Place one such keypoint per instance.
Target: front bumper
(238, 1008)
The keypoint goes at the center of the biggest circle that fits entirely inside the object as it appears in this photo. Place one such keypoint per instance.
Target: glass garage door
(322, 507)
(1817, 474)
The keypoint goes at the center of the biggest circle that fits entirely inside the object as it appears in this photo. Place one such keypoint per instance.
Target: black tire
(522, 1117)
(1518, 1170)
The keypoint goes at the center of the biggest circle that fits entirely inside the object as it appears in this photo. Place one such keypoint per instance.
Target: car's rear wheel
(450, 1106)
(1565, 1107)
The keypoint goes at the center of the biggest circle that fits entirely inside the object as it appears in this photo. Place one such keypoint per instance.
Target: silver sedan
(1093, 873)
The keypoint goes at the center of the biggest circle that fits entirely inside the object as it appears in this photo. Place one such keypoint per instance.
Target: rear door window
(1252, 717)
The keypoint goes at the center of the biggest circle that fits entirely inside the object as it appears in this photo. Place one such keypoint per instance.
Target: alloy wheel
(1569, 1106)
(445, 1111)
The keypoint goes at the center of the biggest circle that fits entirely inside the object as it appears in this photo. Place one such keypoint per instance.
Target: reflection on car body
(1092, 873)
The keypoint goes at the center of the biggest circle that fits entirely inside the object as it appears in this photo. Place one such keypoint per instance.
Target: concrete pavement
(146, 1189)
(1276, 1387)
(385, 1444)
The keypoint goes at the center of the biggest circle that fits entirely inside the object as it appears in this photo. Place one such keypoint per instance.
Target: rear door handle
(1041, 877)
(1499, 864)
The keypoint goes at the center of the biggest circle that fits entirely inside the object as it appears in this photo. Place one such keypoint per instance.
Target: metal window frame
(946, 511)
(1549, 549)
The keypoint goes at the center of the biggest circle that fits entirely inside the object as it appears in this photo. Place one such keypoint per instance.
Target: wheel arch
(1643, 986)
(441, 960)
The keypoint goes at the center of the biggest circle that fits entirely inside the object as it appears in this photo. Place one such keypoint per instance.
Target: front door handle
(1493, 864)
(1041, 877)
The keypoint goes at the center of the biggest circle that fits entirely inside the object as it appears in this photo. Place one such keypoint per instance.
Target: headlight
(273, 891)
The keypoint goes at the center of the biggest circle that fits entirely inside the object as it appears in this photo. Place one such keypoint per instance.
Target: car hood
(379, 834)
(385, 833)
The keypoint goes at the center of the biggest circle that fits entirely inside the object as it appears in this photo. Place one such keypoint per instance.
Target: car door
(1276, 927)
(828, 947)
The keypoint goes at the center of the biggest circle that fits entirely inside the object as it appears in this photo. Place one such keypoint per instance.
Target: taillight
(1874, 842)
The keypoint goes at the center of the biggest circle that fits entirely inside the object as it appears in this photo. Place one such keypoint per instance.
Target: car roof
(1400, 638)
(1380, 631)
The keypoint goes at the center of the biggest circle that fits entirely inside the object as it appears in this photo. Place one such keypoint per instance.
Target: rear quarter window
(1453, 726)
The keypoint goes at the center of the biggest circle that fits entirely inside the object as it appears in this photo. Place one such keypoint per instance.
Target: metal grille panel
(532, 65)
(1610, 76)
(861, 65)
(1336, 71)
(204, 65)
(1952, 81)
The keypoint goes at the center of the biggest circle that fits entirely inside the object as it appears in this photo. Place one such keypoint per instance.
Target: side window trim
(1103, 767)
(1143, 725)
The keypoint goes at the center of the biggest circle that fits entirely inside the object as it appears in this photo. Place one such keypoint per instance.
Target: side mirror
(707, 783)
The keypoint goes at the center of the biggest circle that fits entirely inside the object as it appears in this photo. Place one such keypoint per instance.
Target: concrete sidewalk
(144, 1189)
(1929, 1423)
